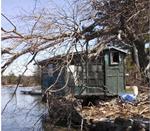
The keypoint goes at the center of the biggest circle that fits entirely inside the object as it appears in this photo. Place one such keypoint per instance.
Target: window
(114, 58)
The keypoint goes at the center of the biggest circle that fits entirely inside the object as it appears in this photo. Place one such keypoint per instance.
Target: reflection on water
(23, 113)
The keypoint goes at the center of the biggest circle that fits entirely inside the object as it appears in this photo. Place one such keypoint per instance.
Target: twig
(82, 121)
(9, 21)
(144, 110)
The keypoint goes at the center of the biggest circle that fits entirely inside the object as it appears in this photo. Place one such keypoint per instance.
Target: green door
(114, 72)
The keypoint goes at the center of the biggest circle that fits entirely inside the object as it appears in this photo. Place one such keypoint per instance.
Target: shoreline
(12, 86)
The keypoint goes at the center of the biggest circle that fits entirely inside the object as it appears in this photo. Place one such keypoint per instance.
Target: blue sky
(13, 8)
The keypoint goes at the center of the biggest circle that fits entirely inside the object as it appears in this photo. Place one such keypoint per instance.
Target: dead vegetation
(70, 112)
(115, 108)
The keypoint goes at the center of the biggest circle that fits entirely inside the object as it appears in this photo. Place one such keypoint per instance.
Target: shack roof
(59, 58)
(117, 49)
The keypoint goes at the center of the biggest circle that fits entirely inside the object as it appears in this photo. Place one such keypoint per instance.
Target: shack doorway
(114, 72)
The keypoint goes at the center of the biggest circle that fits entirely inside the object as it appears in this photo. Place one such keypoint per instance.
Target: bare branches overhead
(53, 28)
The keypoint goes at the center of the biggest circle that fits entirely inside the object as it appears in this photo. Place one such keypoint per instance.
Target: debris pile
(111, 115)
(115, 108)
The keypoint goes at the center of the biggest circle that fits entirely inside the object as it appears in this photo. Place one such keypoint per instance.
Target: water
(23, 113)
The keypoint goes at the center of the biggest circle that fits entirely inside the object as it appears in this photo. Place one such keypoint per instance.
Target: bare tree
(129, 19)
(80, 22)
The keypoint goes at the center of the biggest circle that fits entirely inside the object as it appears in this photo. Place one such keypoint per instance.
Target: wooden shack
(90, 76)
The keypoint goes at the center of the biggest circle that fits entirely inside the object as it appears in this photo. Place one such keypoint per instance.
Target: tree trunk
(143, 61)
(136, 56)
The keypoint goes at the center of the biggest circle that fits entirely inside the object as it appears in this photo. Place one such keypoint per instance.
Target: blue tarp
(127, 97)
